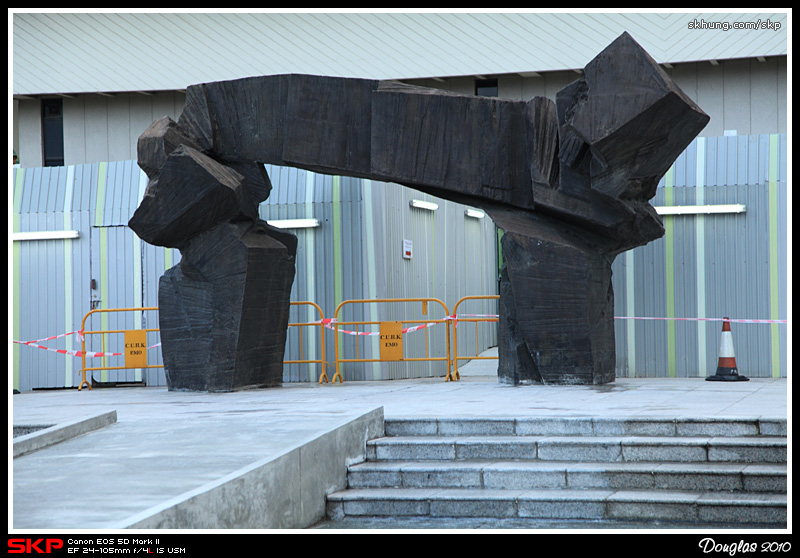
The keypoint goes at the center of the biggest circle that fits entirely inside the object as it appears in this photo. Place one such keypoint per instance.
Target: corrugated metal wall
(452, 256)
(56, 282)
(357, 254)
(709, 266)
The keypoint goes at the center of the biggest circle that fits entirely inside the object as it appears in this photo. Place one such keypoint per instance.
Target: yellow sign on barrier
(135, 348)
(391, 341)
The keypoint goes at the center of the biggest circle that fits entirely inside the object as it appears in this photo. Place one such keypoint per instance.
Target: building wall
(97, 128)
(745, 96)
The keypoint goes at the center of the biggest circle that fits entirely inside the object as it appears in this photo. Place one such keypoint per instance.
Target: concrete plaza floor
(151, 447)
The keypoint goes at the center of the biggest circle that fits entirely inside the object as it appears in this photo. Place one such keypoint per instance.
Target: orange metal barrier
(476, 320)
(389, 330)
(132, 354)
(321, 361)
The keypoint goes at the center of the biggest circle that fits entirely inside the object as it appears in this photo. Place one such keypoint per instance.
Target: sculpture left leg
(224, 309)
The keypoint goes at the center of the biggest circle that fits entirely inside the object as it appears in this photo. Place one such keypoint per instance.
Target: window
(52, 133)
(486, 87)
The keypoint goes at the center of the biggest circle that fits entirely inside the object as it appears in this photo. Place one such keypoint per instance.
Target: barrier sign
(135, 348)
(391, 340)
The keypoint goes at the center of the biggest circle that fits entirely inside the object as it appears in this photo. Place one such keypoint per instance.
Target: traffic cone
(726, 366)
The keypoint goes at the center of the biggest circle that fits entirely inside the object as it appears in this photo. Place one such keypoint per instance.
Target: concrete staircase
(696, 471)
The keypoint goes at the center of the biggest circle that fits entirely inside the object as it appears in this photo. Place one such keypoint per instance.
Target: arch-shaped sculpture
(569, 183)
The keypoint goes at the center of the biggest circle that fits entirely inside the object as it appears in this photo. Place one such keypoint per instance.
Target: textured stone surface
(191, 194)
(568, 182)
(218, 306)
(224, 308)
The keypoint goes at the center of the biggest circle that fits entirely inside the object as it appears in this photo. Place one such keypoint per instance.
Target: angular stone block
(224, 309)
(621, 126)
(474, 148)
(156, 143)
(556, 304)
(626, 120)
(191, 193)
(238, 120)
(328, 123)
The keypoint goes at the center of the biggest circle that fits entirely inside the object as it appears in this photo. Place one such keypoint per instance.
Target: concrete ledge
(59, 432)
(285, 492)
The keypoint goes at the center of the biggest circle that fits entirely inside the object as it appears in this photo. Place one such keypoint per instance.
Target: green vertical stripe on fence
(311, 289)
(337, 242)
(700, 259)
(101, 195)
(669, 238)
(337, 250)
(774, 286)
(104, 290)
(372, 283)
(103, 251)
(68, 325)
(630, 308)
(16, 278)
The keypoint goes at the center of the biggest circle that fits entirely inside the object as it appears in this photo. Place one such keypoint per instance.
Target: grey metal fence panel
(57, 282)
(710, 266)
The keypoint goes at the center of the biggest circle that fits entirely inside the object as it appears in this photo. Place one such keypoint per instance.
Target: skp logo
(31, 546)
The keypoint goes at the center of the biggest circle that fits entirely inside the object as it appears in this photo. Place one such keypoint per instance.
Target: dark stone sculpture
(568, 182)
(224, 309)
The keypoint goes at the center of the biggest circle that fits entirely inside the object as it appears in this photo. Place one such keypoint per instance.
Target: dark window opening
(486, 87)
(52, 133)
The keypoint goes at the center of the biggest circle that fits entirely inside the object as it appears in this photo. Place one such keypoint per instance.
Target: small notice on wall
(391, 340)
(407, 247)
(135, 348)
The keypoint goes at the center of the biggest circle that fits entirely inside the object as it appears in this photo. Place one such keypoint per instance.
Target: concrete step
(581, 448)
(587, 426)
(732, 477)
(590, 504)
(704, 471)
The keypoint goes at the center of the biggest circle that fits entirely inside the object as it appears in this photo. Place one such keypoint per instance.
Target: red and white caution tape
(418, 327)
(80, 334)
(36, 344)
(731, 320)
(328, 321)
(66, 352)
(454, 318)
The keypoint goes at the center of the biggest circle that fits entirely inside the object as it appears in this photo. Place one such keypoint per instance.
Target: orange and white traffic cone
(726, 366)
